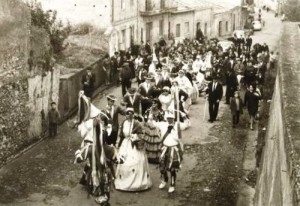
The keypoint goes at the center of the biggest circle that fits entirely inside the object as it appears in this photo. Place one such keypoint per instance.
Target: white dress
(167, 104)
(133, 174)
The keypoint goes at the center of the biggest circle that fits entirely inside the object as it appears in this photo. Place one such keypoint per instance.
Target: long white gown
(133, 174)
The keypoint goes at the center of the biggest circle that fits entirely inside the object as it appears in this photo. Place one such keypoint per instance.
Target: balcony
(157, 11)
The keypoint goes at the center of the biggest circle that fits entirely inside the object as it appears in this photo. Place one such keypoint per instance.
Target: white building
(134, 21)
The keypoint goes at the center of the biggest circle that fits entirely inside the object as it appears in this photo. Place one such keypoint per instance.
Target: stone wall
(278, 181)
(25, 96)
(24, 106)
(42, 90)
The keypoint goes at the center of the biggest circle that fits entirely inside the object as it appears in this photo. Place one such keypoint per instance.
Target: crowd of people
(169, 79)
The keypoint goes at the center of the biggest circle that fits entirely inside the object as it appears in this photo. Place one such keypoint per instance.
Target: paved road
(211, 172)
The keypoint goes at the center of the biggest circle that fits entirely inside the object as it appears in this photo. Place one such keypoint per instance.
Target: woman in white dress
(168, 104)
(133, 174)
(165, 99)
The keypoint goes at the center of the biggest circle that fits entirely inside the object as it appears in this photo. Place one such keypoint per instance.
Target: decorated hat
(158, 70)
(129, 110)
(111, 97)
(166, 88)
(149, 77)
(180, 71)
(215, 76)
(170, 115)
(131, 90)
(165, 67)
(125, 64)
(174, 81)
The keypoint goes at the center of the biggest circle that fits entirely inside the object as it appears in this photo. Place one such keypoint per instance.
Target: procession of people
(169, 79)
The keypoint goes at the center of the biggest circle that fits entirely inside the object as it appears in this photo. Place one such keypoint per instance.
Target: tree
(47, 20)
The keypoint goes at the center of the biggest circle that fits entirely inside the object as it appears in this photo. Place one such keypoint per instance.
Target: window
(122, 4)
(198, 25)
(220, 28)
(148, 5)
(142, 34)
(205, 29)
(177, 30)
(113, 10)
(131, 3)
(226, 26)
(149, 26)
(123, 36)
(162, 4)
(233, 26)
(161, 27)
(187, 27)
(169, 30)
(132, 34)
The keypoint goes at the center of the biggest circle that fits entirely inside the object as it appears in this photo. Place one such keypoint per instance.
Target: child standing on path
(236, 107)
(53, 116)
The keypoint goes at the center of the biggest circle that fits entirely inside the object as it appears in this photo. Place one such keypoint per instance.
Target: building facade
(134, 21)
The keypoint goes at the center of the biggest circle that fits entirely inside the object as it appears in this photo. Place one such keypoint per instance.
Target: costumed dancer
(152, 135)
(133, 174)
(180, 97)
(171, 152)
(166, 99)
(99, 157)
(185, 84)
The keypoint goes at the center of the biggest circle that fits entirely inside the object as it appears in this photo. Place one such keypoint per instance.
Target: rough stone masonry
(25, 96)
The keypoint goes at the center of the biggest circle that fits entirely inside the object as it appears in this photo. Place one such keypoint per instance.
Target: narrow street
(211, 173)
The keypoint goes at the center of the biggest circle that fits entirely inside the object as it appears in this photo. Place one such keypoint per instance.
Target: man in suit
(114, 66)
(148, 47)
(87, 82)
(125, 78)
(231, 84)
(133, 100)
(248, 43)
(146, 90)
(214, 95)
(112, 111)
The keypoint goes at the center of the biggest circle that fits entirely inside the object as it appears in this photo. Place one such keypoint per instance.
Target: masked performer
(152, 135)
(171, 152)
(99, 157)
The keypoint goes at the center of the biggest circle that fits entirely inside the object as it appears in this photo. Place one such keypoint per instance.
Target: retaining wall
(279, 175)
(24, 106)
(70, 85)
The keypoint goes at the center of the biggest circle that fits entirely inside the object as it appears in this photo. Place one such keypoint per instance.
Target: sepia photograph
(149, 102)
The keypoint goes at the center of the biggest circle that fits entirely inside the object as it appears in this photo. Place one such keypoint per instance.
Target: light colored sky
(96, 12)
